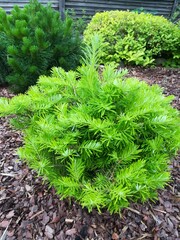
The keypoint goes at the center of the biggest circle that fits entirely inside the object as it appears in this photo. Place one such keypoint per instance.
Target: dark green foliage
(134, 38)
(38, 39)
(104, 140)
(4, 68)
(175, 18)
(142, 10)
(80, 23)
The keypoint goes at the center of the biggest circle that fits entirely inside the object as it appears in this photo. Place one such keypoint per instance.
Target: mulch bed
(32, 210)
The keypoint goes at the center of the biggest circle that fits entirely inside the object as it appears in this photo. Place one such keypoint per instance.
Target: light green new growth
(103, 139)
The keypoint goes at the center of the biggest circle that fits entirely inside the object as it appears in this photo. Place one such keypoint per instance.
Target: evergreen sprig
(103, 139)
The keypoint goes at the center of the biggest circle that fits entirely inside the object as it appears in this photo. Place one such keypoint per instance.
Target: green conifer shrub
(102, 139)
(4, 68)
(134, 38)
(38, 40)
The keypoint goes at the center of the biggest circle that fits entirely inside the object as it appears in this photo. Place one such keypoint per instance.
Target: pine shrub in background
(4, 68)
(139, 39)
(102, 139)
(37, 40)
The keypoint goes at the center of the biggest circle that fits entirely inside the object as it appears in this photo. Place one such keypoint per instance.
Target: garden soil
(32, 210)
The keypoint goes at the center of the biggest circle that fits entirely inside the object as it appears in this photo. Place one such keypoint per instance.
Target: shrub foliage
(136, 38)
(4, 68)
(102, 139)
(38, 40)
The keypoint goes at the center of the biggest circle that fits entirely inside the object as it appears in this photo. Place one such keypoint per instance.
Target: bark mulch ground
(34, 211)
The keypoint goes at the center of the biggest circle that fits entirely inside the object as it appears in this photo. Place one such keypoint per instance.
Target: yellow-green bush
(136, 38)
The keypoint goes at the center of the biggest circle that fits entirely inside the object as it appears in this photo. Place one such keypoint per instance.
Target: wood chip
(71, 231)
(115, 236)
(4, 224)
(69, 221)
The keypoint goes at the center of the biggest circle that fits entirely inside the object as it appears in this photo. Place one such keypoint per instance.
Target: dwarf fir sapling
(103, 139)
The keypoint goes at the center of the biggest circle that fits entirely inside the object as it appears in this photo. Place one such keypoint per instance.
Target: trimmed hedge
(136, 38)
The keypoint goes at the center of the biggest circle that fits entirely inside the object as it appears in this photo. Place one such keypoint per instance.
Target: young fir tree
(38, 40)
(103, 139)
